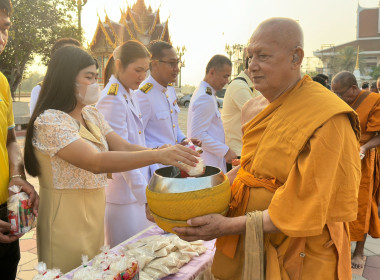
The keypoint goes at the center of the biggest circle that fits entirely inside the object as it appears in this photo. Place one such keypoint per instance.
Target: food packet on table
(20, 214)
(87, 272)
(156, 245)
(164, 251)
(121, 263)
(46, 274)
(104, 259)
(157, 274)
(145, 276)
(196, 171)
(142, 257)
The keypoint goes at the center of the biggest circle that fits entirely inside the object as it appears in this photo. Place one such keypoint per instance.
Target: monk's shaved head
(285, 32)
(344, 85)
(275, 52)
(345, 79)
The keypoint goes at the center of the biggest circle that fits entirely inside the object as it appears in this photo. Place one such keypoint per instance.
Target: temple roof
(136, 23)
(367, 46)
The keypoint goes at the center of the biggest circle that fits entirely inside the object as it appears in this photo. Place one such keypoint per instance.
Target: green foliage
(30, 82)
(345, 60)
(36, 25)
(375, 72)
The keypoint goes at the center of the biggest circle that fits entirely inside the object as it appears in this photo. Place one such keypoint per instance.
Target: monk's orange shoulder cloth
(290, 124)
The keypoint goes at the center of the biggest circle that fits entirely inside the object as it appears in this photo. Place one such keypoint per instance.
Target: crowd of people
(301, 158)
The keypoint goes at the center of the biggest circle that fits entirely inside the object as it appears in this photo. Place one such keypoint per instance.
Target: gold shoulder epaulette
(208, 91)
(40, 84)
(146, 88)
(113, 89)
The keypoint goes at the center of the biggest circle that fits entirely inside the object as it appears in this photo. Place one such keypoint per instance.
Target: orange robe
(300, 161)
(367, 219)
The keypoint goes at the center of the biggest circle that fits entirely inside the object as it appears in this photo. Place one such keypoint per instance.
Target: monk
(367, 106)
(296, 188)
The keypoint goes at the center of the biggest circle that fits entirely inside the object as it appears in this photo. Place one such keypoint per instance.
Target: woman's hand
(172, 155)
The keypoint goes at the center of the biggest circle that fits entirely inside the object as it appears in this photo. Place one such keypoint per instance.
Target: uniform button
(176, 141)
(302, 254)
(139, 131)
(171, 110)
(173, 125)
(167, 96)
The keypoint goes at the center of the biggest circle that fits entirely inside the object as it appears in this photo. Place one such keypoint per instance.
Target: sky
(206, 26)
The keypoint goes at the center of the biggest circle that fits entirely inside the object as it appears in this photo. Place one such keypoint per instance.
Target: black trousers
(9, 253)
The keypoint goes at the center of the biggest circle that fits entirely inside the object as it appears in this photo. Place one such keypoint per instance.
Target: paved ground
(28, 245)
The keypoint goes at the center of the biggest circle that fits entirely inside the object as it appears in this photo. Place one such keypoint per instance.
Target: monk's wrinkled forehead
(282, 32)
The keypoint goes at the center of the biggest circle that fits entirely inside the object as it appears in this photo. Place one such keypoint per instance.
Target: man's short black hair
(323, 76)
(320, 80)
(64, 42)
(365, 85)
(217, 62)
(156, 47)
(6, 6)
(373, 85)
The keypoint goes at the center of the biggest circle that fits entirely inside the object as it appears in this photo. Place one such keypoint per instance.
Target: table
(190, 271)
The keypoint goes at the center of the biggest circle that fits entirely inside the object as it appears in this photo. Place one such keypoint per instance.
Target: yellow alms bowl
(185, 205)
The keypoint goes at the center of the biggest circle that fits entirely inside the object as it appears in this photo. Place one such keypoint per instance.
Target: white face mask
(91, 96)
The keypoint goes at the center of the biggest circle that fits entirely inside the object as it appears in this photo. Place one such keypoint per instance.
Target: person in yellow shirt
(238, 92)
(11, 162)
(297, 186)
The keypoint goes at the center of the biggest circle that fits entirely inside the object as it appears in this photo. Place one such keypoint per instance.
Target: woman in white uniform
(125, 194)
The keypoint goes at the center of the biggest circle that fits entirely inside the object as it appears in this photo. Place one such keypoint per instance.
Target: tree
(36, 25)
(375, 72)
(347, 57)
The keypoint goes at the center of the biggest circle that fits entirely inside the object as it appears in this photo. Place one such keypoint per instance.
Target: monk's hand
(230, 155)
(363, 150)
(148, 214)
(204, 228)
(175, 154)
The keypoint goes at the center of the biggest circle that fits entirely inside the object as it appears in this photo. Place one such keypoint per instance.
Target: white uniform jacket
(34, 97)
(204, 122)
(121, 110)
(159, 110)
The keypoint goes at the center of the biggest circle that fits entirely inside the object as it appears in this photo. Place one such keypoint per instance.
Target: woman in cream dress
(71, 148)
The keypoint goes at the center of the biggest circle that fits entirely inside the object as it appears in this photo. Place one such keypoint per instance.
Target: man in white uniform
(204, 121)
(158, 99)
(238, 92)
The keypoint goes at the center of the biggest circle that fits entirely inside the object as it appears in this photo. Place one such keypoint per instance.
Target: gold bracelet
(16, 176)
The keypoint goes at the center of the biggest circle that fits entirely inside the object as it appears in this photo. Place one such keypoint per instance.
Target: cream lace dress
(71, 211)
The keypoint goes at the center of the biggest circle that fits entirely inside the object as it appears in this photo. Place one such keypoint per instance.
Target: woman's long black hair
(57, 92)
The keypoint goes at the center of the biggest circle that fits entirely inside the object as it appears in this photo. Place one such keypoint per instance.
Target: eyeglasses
(173, 64)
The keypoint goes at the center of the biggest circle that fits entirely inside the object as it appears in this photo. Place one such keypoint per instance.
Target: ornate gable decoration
(137, 23)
